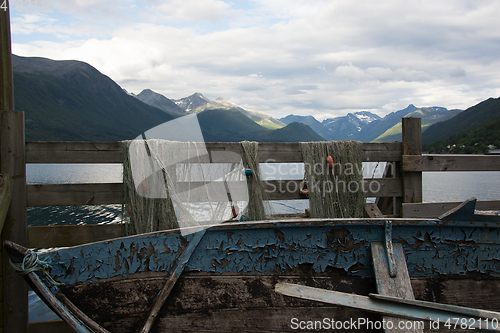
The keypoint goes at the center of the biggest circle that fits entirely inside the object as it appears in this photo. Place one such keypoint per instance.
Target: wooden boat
(223, 277)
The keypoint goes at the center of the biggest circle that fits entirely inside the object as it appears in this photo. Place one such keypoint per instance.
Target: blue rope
(31, 263)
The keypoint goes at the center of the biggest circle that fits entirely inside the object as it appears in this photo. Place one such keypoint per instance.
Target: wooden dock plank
(451, 163)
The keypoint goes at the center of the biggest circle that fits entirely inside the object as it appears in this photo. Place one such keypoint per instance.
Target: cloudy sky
(308, 57)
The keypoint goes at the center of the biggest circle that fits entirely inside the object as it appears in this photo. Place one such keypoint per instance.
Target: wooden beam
(4, 198)
(113, 193)
(435, 209)
(372, 211)
(412, 145)
(72, 235)
(111, 152)
(374, 187)
(12, 161)
(398, 286)
(6, 91)
(75, 194)
(451, 163)
(74, 152)
(391, 205)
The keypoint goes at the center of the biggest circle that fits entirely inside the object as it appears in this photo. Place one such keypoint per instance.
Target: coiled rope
(31, 263)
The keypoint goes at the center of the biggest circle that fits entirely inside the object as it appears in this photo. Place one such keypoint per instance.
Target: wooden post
(412, 145)
(390, 205)
(12, 161)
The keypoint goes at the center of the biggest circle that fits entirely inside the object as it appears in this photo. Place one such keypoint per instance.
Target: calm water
(437, 186)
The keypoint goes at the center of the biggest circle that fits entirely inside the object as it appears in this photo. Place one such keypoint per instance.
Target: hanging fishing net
(335, 190)
(256, 209)
(178, 183)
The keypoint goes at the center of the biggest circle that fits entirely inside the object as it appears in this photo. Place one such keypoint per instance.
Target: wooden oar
(167, 288)
(391, 306)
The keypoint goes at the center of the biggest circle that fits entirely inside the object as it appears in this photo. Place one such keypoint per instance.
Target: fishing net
(181, 185)
(171, 184)
(256, 208)
(334, 191)
(144, 214)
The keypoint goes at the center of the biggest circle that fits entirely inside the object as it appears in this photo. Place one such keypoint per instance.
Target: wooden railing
(113, 193)
(402, 187)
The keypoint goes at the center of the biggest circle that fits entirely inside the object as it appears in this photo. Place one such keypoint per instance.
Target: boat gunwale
(311, 222)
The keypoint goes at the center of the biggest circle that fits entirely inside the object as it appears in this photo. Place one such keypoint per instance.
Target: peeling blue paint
(272, 248)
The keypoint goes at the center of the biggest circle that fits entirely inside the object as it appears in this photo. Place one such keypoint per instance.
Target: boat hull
(228, 282)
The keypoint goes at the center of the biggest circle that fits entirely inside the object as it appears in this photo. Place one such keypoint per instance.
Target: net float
(329, 161)
(303, 189)
(235, 210)
(144, 187)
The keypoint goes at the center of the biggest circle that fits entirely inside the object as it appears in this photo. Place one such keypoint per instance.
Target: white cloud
(282, 56)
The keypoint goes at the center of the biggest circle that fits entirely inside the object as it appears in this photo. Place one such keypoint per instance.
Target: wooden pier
(404, 160)
(399, 192)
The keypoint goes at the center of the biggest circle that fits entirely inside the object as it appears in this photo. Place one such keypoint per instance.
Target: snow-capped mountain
(197, 103)
(193, 104)
(348, 126)
(339, 128)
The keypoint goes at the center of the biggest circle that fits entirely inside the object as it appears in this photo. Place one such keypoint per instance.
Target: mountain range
(475, 130)
(368, 127)
(71, 100)
(197, 103)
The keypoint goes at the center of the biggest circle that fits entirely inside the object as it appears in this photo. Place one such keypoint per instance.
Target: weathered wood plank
(218, 303)
(111, 152)
(412, 145)
(451, 163)
(167, 287)
(113, 193)
(398, 286)
(72, 235)
(4, 198)
(6, 82)
(73, 152)
(74, 194)
(435, 209)
(372, 211)
(479, 292)
(391, 205)
(12, 162)
(57, 326)
(372, 187)
(273, 320)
